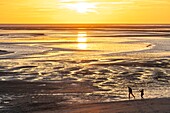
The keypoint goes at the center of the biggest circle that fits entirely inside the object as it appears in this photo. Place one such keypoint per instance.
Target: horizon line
(84, 23)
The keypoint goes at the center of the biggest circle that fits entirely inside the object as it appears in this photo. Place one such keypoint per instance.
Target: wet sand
(84, 70)
(84, 83)
(21, 96)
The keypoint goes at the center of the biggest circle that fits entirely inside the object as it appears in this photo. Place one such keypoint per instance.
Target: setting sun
(82, 7)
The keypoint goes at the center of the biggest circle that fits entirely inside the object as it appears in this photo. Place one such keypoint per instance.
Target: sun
(82, 7)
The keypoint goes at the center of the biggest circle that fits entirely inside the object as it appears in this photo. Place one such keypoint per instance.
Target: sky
(84, 11)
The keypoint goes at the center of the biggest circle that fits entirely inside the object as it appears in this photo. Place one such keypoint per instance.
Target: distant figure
(130, 93)
(142, 93)
(149, 45)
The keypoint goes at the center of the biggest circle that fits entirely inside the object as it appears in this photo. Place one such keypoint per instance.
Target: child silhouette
(142, 93)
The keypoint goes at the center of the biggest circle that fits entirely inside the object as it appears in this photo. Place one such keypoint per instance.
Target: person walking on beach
(142, 93)
(130, 92)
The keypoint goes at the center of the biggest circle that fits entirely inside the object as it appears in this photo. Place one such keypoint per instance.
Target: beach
(84, 68)
(44, 97)
(137, 106)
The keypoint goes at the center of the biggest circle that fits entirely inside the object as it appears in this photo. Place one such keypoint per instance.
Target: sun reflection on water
(82, 46)
(82, 40)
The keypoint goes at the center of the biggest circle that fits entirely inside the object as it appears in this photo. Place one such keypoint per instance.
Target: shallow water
(105, 59)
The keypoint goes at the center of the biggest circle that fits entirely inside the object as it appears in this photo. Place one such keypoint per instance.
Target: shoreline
(155, 105)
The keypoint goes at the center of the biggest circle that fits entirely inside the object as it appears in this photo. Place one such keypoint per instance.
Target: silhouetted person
(142, 93)
(130, 92)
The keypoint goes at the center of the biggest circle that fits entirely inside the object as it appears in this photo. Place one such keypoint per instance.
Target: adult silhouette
(130, 92)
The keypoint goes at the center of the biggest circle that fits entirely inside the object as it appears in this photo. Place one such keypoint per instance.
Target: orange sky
(84, 11)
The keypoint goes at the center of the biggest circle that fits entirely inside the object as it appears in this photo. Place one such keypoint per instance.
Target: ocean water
(106, 58)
